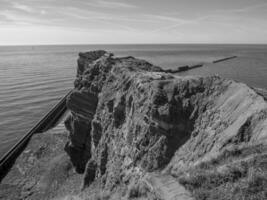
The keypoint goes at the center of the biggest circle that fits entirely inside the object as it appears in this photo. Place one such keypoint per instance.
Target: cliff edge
(131, 121)
(137, 132)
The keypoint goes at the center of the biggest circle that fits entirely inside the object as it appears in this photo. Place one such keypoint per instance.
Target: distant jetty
(224, 59)
(187, 67)
(183, 68)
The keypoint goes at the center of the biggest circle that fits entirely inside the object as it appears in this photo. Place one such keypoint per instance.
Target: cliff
(137, 132)
(130, 119)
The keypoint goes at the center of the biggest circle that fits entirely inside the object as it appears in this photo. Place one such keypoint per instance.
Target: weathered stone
(42, 171)
(90, 173)
(148, 120)
(129, 118)
(82, 103)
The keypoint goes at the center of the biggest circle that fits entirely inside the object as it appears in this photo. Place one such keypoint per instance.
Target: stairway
(166, 187)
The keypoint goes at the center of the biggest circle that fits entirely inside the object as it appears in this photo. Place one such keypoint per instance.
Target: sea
(34, 78)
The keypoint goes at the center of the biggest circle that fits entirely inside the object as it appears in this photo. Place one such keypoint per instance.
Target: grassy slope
(239, 174)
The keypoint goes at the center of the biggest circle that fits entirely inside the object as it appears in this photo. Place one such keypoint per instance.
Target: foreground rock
(136, 132)
(129, 118)
(43, 170)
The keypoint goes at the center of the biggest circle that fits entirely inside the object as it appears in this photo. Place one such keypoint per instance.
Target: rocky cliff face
(130, 118)
(138, 132)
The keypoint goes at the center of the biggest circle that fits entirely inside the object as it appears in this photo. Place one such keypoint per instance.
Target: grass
(239, 174)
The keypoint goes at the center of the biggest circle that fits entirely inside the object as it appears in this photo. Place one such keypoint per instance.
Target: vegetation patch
(239, 174)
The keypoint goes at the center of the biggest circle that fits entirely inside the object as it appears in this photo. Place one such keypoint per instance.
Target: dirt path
(166, 187)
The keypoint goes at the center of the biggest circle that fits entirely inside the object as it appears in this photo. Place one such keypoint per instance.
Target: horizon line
(81, 44)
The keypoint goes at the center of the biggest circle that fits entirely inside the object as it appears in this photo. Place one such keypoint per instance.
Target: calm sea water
(34, 78)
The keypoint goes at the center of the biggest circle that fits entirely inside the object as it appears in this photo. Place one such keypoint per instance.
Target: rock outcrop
(42, 171)
(129, 119)
(138, 132)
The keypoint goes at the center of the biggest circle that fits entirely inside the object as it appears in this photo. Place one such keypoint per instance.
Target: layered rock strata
(129, 118)
(138, 132)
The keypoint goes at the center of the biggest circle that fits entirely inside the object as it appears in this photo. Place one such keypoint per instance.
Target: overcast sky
(132, 21)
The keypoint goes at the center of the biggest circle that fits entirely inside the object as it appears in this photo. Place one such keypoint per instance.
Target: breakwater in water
(182, 68)
(224, 59)
(187, 68)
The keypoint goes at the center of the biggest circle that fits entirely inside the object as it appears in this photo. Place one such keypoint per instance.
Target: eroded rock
(134, 129)
(145, 120)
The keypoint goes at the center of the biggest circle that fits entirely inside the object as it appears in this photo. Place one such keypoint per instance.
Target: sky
(32, 22)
